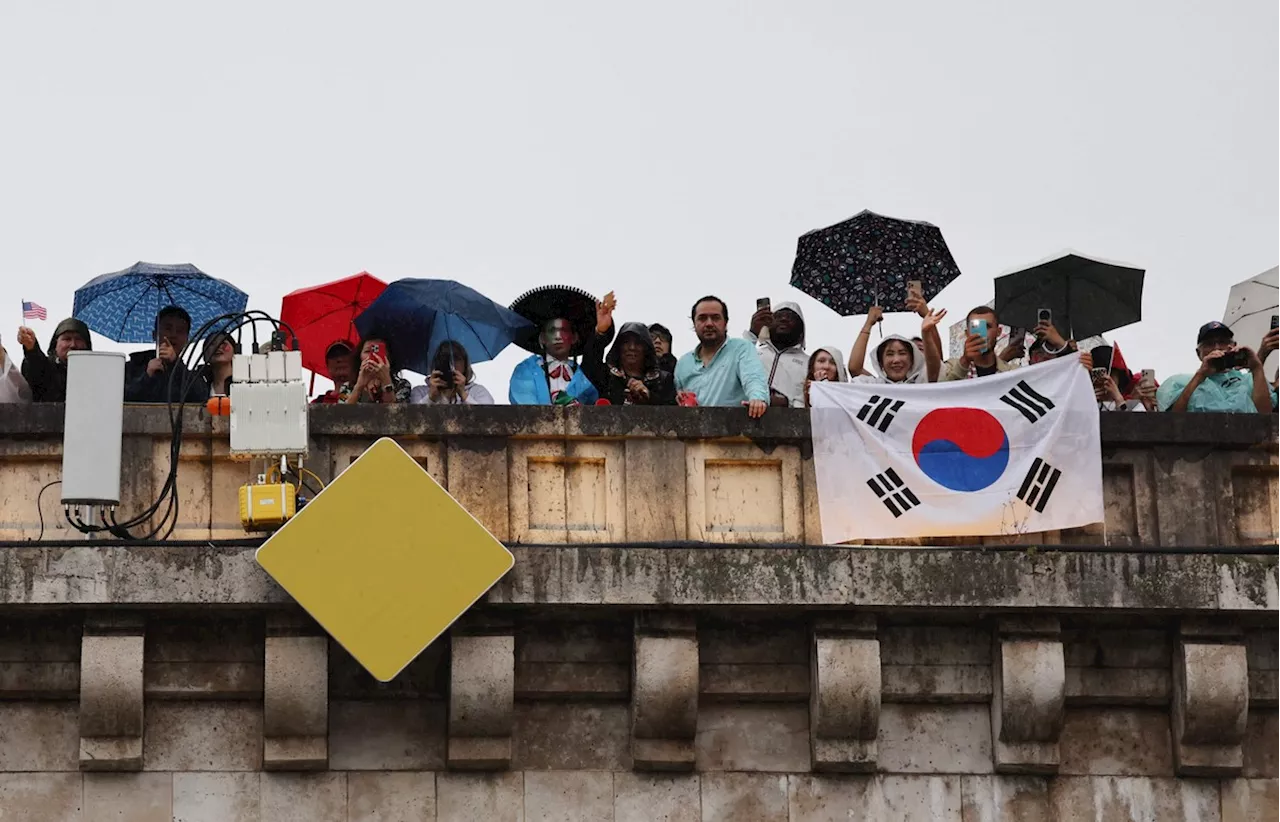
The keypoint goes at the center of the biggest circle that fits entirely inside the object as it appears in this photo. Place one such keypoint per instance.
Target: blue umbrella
(122, 306)
(415, 316)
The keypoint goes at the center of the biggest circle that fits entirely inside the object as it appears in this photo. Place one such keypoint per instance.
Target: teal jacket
(529, 384)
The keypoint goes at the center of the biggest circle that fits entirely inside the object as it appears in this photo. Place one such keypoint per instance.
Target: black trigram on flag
(879, 411)
(893, 492)
(1039, 484)
(1024, 399)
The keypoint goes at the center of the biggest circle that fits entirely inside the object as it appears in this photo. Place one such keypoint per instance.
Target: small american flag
(33, 311)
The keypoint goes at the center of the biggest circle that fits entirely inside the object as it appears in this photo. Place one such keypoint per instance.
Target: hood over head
(641, 332)
(69, 324)
(795, 309)
(842, 369)
(917, 359)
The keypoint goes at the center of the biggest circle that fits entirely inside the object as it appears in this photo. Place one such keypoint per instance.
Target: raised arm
(858, 356)
(932, 344)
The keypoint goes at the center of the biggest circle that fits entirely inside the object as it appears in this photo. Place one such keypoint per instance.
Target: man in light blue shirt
(1220, 384)
(721, 371)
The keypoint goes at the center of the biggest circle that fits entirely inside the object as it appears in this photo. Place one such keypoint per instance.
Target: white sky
(664, 150)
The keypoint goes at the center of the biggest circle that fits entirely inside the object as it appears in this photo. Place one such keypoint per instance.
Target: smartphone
(915, 287)
(1044, 315)
(979, 327)
(762, 304)
(1275, 321)
(1099, 374)
(1148, 376)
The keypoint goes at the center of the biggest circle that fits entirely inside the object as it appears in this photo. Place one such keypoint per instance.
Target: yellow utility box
(267, 506)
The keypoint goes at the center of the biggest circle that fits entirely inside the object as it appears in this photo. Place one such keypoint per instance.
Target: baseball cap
(1213, 328)
(329, 352)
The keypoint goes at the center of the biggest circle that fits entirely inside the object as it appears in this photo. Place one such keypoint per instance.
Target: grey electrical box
(92, 432)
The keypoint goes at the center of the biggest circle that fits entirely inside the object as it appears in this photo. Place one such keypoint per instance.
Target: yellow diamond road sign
(384, 559)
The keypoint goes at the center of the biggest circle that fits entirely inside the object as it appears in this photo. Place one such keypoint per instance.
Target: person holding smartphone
(378, 376)
(1230, 377)
(778, 335)
(979, 357)
(451, 381)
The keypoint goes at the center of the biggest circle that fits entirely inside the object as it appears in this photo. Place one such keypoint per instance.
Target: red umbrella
(323, 314)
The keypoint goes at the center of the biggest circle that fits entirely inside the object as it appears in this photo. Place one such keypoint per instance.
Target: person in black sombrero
(565, 318)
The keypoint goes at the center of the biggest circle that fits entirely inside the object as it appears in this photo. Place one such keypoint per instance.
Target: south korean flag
(1014, 453)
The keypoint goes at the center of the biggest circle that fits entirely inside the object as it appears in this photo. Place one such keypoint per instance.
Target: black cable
(39, 509)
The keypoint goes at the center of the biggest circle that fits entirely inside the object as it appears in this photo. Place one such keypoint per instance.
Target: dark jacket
(667, 362)
(142, 387)
(607, 374)
(46, 375)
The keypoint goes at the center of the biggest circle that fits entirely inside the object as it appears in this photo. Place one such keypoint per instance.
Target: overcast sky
(663, 150)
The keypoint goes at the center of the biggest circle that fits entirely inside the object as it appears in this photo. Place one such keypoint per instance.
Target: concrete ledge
(970, 579)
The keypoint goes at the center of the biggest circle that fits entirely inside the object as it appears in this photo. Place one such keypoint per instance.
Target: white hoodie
(915, 375)
(784, 369)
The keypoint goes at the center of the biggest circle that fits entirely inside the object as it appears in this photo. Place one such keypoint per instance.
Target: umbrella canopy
(122, 306)
(415, 316)
(555, 302)
(868, 259)
(1087, 295)
(323, 314)
(1250, 306)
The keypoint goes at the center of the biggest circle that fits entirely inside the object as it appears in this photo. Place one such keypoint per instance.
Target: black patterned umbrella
(868, 259)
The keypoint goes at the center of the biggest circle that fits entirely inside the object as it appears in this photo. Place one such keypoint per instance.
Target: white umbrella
(1250, 306)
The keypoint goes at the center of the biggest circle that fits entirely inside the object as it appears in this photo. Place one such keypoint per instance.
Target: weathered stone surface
(304, 797)
(111, 712)
(664, 697)
(890, 798)
(935, 739)
(1250, 800)
(1107, 798)
(1029, 686)
(753, 738)
(1261, 742)
(128, 797)
(481, 701)
(39, 736)
(997, 798)
(387, 735)
(391, 797)
(462, 797)
(203, 736)
(568, 796)
(571, 736)
(40, 797)
(639, 797)
(844, 705)
(217, 797)
(295, 717)
(741, 797)
(1118, 742)
(1210, 708)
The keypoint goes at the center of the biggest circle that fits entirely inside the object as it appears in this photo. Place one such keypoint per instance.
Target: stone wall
(669, 651)
(650, 475)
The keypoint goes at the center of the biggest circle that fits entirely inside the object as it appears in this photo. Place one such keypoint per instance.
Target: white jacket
(13, 386)
(784, 369)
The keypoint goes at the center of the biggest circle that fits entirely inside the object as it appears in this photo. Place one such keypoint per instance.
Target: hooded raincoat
(915, 375)
(842, 370)
(785, 369)
(611, 381)
(44, 372)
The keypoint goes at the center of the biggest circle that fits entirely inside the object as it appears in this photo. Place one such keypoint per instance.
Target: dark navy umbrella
(122, 306)
(868, 259)
(415, 316)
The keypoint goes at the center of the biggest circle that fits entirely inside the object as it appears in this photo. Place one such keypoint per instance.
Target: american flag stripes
(33, 311)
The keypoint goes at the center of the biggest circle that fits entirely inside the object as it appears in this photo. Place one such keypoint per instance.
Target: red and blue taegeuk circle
(964, 449)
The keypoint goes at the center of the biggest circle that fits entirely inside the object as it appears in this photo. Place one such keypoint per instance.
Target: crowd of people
(585, 360)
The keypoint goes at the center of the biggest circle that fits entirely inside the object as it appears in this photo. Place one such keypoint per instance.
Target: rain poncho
(915, 375)
(44, 372)
(607, 376)
(785, 369)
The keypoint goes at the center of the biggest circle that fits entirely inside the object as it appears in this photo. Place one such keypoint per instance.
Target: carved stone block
(111, 719)
(295, 709)
(844, 697)
(1210, 702)
(664, 693)
(481, 701)
(1029, 677)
